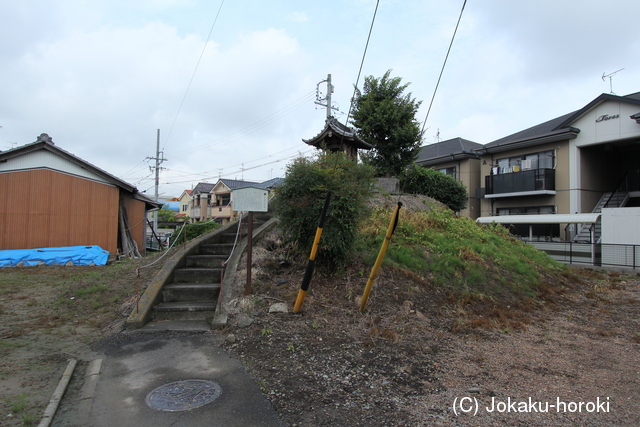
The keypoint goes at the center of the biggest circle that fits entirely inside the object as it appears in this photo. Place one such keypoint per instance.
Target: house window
(508, 165)
(541, 160)
(223, 199)
(448, 171)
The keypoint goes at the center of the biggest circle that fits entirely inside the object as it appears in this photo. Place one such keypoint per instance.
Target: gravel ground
(414, 358)
(406, 361)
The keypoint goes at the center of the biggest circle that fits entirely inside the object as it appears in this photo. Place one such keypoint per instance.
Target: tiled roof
(333, 126)
(274, 182)
(203, 187)
(532, 132)
(563, 123)
(450, 147)
(233, 183)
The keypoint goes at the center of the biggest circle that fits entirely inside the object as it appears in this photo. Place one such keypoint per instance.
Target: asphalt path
(132, 365)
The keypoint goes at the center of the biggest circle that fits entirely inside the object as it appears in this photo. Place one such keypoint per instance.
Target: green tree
(384, 116)
(299, 201)
(166, 215)
(435, 184)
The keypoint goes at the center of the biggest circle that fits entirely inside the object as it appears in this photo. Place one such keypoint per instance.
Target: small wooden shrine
(337, 137)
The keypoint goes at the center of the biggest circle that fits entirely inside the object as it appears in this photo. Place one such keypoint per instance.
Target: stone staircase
(189, 286)
(194, 291)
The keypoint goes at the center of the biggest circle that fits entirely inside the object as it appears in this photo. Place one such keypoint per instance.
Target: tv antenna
(610, 75)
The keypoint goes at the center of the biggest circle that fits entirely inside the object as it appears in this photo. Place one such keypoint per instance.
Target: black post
(312, 258)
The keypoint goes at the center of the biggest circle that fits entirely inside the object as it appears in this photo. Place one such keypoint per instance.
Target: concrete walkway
(136, 363)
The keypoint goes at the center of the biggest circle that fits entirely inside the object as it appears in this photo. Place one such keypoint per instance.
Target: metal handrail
(617, 189)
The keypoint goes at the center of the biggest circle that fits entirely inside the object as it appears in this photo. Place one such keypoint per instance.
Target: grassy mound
(482, 270)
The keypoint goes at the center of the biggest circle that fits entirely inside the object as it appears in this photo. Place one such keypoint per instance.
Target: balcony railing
(542, 181)
(596, 254)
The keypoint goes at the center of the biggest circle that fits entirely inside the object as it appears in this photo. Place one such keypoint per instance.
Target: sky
(231, 85)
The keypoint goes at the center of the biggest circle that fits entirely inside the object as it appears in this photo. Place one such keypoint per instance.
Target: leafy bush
(299, 201)
(194, 230)
(435, 184)
(166, 215)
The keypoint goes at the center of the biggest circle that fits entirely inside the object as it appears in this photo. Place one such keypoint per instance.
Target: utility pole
(159, 158)
(326, 101)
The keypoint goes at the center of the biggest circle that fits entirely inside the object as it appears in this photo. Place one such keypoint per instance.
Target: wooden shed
(51, 198)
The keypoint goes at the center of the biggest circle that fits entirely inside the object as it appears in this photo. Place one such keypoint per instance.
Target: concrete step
(175, 325)
(231, 237)
(206, 261)
(181, 292)
(197, 275)
(216, 249)
(187, 310)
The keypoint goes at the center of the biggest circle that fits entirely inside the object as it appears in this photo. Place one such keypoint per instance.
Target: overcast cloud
(100, 77)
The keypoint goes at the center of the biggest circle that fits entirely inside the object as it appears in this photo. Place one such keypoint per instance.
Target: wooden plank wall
(44, 208)
(136, 214)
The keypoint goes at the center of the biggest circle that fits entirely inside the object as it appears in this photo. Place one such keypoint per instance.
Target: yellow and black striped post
(312, 258)
(383, 251)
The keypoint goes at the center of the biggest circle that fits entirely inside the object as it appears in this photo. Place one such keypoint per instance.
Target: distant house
(214, 201)
(51, 198)
(185, 202)
(457, 158)
(200, 202)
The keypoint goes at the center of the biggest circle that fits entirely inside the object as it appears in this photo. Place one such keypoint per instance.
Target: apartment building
(581, 162)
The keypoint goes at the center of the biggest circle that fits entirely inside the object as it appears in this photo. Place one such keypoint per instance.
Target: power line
(362, 62)
(443, 64)
(207, 174)
(205, 177)
(253, 127)
(247, 130)
(295, 147)
(192, 76)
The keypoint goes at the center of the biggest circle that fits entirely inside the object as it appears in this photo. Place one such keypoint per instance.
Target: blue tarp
(77, 255)
(172, 206)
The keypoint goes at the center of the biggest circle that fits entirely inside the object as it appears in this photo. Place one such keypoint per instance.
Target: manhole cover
(183, 395)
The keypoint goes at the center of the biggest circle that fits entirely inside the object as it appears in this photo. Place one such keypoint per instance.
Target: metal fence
(595, 254)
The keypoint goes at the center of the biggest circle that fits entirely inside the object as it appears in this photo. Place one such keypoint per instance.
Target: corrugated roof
(582, 218)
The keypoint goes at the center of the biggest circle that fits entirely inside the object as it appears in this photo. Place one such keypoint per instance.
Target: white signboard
(250, 199)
